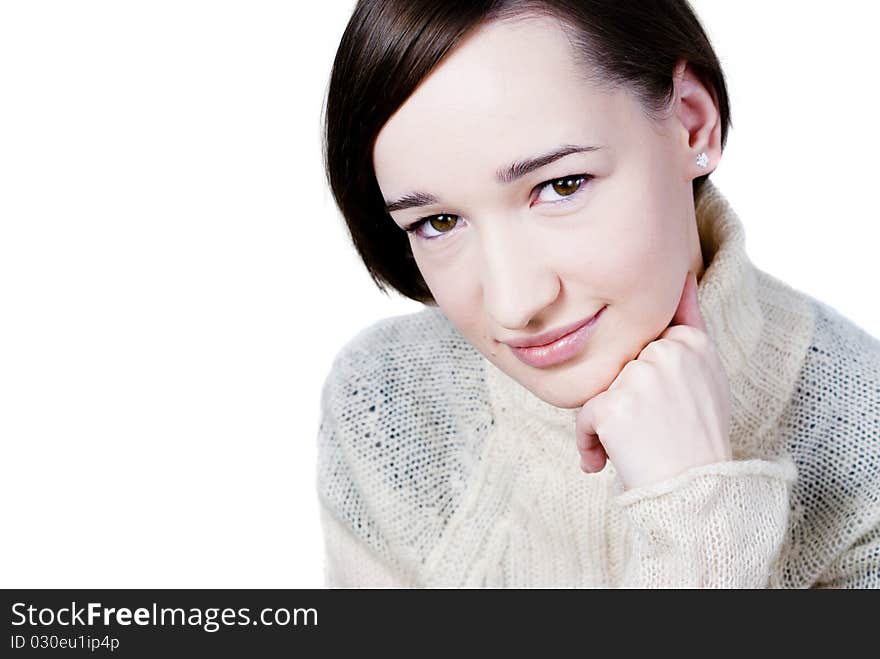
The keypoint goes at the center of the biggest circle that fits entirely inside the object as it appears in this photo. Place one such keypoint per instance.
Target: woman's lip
(549, 337)
(560, 350)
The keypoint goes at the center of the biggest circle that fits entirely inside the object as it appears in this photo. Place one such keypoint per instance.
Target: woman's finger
(593, 454)
(688, 311)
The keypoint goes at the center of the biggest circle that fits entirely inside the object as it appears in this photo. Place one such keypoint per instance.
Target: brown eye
(439, 224)
(567, 186)
(442, 223)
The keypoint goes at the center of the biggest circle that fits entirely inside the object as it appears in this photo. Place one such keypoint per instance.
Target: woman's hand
(667, 411)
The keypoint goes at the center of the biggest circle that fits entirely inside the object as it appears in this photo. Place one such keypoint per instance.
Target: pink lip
(561, 348)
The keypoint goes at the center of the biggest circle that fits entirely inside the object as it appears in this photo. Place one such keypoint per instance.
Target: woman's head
(434, 111)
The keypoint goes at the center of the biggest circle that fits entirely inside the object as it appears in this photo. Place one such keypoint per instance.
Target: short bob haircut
(390, 46)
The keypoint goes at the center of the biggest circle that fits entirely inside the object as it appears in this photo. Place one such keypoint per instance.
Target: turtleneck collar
(760, 326)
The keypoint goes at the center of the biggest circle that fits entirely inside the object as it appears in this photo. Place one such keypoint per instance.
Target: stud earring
(702, 160)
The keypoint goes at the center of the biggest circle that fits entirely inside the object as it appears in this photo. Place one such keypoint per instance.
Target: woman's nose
(518, 281)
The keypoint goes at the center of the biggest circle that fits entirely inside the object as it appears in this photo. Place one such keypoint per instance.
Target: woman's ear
(697, 113)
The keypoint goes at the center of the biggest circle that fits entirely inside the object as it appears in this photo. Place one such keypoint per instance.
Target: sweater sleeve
(719, 525)
(350, 563)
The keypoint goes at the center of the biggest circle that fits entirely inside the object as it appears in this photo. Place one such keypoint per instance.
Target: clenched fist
(667, 411)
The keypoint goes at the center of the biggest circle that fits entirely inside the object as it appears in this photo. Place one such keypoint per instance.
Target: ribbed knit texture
(436, 469)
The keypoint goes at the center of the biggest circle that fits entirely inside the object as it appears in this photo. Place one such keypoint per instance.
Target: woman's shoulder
(840, 376)
(408, 375)
(422, 335)
(832, 428)
(836, 402)
(838, 387)
(414, 355)
(403, 413)
(836, 336)
(837, 357)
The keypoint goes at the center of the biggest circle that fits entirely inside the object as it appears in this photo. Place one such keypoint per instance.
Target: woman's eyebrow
(503, 175)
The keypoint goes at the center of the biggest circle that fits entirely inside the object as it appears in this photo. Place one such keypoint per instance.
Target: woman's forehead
(508, 90)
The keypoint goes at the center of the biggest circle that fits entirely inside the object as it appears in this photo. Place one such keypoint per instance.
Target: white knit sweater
(436, 469)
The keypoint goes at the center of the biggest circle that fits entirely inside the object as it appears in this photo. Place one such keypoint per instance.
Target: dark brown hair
(390, 46)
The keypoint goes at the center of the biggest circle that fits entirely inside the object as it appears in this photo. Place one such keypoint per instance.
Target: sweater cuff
(719, 525)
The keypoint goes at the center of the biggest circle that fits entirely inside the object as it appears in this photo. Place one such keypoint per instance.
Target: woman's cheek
(605, 265)
(456, 293)
(633, 277)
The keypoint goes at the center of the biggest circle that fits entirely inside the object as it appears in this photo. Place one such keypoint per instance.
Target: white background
(175, 280)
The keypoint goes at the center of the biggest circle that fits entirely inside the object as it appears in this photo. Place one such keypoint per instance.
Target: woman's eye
(435, 226)
(439, 223)
(564, 188)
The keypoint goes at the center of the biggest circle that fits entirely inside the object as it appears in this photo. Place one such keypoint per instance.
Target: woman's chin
(565, 400)
(570, 389)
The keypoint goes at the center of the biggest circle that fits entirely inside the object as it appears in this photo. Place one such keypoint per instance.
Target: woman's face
(517, 256)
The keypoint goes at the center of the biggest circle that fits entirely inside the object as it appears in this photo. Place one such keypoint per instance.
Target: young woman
(602, 390)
